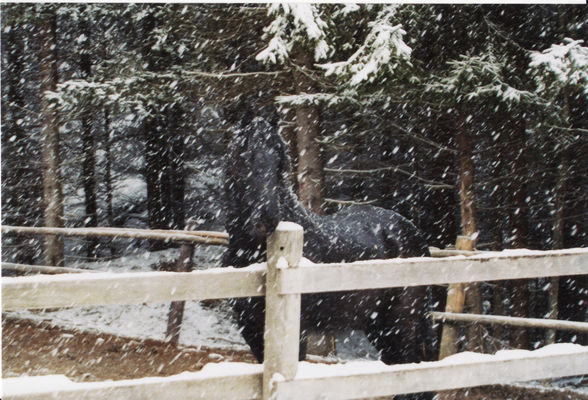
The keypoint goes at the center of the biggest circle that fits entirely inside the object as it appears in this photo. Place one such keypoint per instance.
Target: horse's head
(256, 162)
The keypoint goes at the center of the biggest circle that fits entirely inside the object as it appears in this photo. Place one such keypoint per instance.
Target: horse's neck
(292, 210)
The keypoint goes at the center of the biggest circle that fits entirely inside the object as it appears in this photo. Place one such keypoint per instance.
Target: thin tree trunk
(108, 139)
(89, 149)
(499, 294)
(156, 173)
(51, 162)
(311, 181)
(558, 238)
(519, 230)
(89, 181)
(177, 171)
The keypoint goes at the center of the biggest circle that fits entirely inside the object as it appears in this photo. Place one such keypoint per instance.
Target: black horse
(259, 195)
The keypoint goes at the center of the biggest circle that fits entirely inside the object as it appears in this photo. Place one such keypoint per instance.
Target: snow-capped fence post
(282, 311)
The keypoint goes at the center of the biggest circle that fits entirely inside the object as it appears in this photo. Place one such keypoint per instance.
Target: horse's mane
(260, 135)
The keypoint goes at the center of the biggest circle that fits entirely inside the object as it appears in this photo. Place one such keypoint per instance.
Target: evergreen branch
(221, 75)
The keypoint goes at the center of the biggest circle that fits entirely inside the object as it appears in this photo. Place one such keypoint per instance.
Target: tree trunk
(466, 178)
(499, 293)
(51, 162)
(558, 238)
(473, 296)
(311, 180)
(177, 176)
(288, 132)
(156, 173)
(89, 158)
(21, 181)
(89, 181)
(108, 139)
(519, 229)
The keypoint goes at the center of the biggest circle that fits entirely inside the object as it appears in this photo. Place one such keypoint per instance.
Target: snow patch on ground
(202, 326)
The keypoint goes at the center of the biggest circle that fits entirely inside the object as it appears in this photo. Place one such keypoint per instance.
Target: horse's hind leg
(397, 329)
(250, 313)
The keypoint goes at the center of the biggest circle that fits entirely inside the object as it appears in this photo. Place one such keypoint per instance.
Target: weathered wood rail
(205, 237)
(285, 277)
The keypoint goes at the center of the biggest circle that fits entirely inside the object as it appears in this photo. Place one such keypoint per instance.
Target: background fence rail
(205, 237)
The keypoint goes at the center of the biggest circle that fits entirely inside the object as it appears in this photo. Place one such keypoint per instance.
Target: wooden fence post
(282, 312)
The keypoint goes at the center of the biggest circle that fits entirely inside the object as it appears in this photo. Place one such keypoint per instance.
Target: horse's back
(382, 233)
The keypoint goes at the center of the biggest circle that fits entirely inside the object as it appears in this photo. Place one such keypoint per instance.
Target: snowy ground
(202, 326)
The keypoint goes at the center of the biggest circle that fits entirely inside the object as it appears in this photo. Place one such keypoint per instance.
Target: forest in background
(466, 119)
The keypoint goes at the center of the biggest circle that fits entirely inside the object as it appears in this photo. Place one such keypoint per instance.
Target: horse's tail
(405, 237)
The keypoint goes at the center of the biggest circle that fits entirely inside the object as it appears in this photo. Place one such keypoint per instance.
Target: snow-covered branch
(383, 49)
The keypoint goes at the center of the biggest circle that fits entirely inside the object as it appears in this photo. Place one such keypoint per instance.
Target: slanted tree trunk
(51, 161)
(311, 180)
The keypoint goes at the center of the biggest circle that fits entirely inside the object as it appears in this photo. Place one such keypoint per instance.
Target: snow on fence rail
(282, 281)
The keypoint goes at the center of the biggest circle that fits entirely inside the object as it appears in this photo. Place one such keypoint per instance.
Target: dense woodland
(468, 120)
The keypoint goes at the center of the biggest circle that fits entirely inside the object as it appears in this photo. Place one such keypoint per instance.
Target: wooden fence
(282, 280)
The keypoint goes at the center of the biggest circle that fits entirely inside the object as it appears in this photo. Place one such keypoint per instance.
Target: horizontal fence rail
(42, 269)
(512, 321)
(357, 380)
(235, 381)
(104, 288)
(204, 237)
(107, 288)
(377, 274)
(353, 380)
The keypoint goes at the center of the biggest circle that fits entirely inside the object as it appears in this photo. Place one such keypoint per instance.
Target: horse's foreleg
(250, 313)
